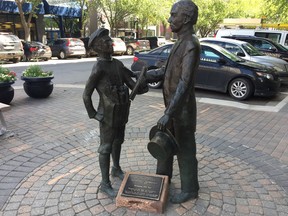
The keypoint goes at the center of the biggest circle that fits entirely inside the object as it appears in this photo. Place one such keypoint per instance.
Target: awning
(45, 8)
(11, 7)
(61, 10)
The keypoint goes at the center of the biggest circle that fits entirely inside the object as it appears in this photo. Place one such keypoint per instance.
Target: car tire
(240, 88)
(62, 55)
(16, 60)
(155, 85)
(88, 54)
(130, 50)
(24, 58)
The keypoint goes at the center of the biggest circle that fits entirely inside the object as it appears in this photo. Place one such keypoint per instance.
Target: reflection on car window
(163, 51)
(233, 48)
(209, 55)
(266, 45)
(252, 51)
(166, 52)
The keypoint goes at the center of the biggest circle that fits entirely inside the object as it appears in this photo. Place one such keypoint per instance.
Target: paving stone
(238, 174)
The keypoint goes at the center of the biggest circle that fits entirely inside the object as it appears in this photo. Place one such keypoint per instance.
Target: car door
(214, 71)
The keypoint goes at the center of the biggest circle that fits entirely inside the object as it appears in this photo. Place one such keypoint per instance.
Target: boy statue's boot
(105, 185)
(116, 170)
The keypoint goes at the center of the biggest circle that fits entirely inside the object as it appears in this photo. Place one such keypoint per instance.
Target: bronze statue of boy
(179, 98)
(111, 79)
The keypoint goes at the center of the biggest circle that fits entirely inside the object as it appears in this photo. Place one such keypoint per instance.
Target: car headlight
(265, 75)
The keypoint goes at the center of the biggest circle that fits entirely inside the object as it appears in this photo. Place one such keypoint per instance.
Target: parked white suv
(278, 36)
(11, 48)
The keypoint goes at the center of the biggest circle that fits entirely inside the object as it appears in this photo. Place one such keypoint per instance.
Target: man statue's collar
(105, 59)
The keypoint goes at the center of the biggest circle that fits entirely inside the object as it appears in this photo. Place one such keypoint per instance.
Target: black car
(264, 45)
(36, 50)
(219, 70)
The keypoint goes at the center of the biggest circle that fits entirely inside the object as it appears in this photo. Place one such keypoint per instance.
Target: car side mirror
(240, 54)
(273, 49)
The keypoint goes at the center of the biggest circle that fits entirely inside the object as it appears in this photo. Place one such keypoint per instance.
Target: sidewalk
(49, 160)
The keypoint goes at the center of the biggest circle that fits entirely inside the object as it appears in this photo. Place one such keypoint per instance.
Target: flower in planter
(37, 82)
(6, 75)
(36, 71)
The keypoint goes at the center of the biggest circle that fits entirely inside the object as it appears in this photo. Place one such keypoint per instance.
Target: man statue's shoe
(117, 172)
(183, 197)
(107, 188)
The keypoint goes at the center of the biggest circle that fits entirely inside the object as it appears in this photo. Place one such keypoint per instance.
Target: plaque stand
(145, 192)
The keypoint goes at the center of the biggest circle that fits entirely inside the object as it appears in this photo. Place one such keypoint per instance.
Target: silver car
(63, 48)
(246, 51)
(11, 48)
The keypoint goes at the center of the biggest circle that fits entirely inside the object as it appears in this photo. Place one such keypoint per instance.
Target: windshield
(281, 47)
(230, 55)
(252, 51)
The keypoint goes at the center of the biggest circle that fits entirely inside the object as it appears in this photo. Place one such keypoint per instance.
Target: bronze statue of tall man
(179, 98)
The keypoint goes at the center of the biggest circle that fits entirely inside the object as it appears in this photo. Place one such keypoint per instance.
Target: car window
(273, 36)
(252, 51)
(266, 45)
(161, 51)
(166, 52)
(208, 55)
(259, 44)
(233, 48)
(286, 40)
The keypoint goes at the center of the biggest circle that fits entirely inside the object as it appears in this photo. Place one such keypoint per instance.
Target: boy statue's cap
(97, 34)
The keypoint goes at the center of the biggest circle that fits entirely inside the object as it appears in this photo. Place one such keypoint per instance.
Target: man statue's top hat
(100, 32)
(162, 143)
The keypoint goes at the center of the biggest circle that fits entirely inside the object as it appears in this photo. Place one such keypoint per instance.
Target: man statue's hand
(99, 117)
(162, 122)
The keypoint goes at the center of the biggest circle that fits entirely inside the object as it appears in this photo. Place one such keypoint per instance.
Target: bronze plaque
(143, 186)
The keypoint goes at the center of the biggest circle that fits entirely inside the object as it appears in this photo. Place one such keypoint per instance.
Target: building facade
(59, 11)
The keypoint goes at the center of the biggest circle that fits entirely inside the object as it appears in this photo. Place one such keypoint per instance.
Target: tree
(116, 11)
(26, 17)
(84, 16)
(153, 12)
(275, 11)
(211, 13)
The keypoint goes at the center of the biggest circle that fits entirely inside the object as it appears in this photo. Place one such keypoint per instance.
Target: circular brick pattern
(68, 185)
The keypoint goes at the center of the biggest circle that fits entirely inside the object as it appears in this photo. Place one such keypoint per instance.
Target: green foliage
(36, 71)
(26, 21)
(275, 11)
(117, 11)
(211, 13)
(6, 75)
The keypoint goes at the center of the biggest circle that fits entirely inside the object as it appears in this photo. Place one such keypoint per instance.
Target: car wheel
(130, 50)
(62, 55)
(79, 57)
(88, 54)
(45, 59)
(24, 58)
(240, 89)
(16, 60)
(155, 85)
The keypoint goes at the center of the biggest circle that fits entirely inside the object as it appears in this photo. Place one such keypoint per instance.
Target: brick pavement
(49, 164)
